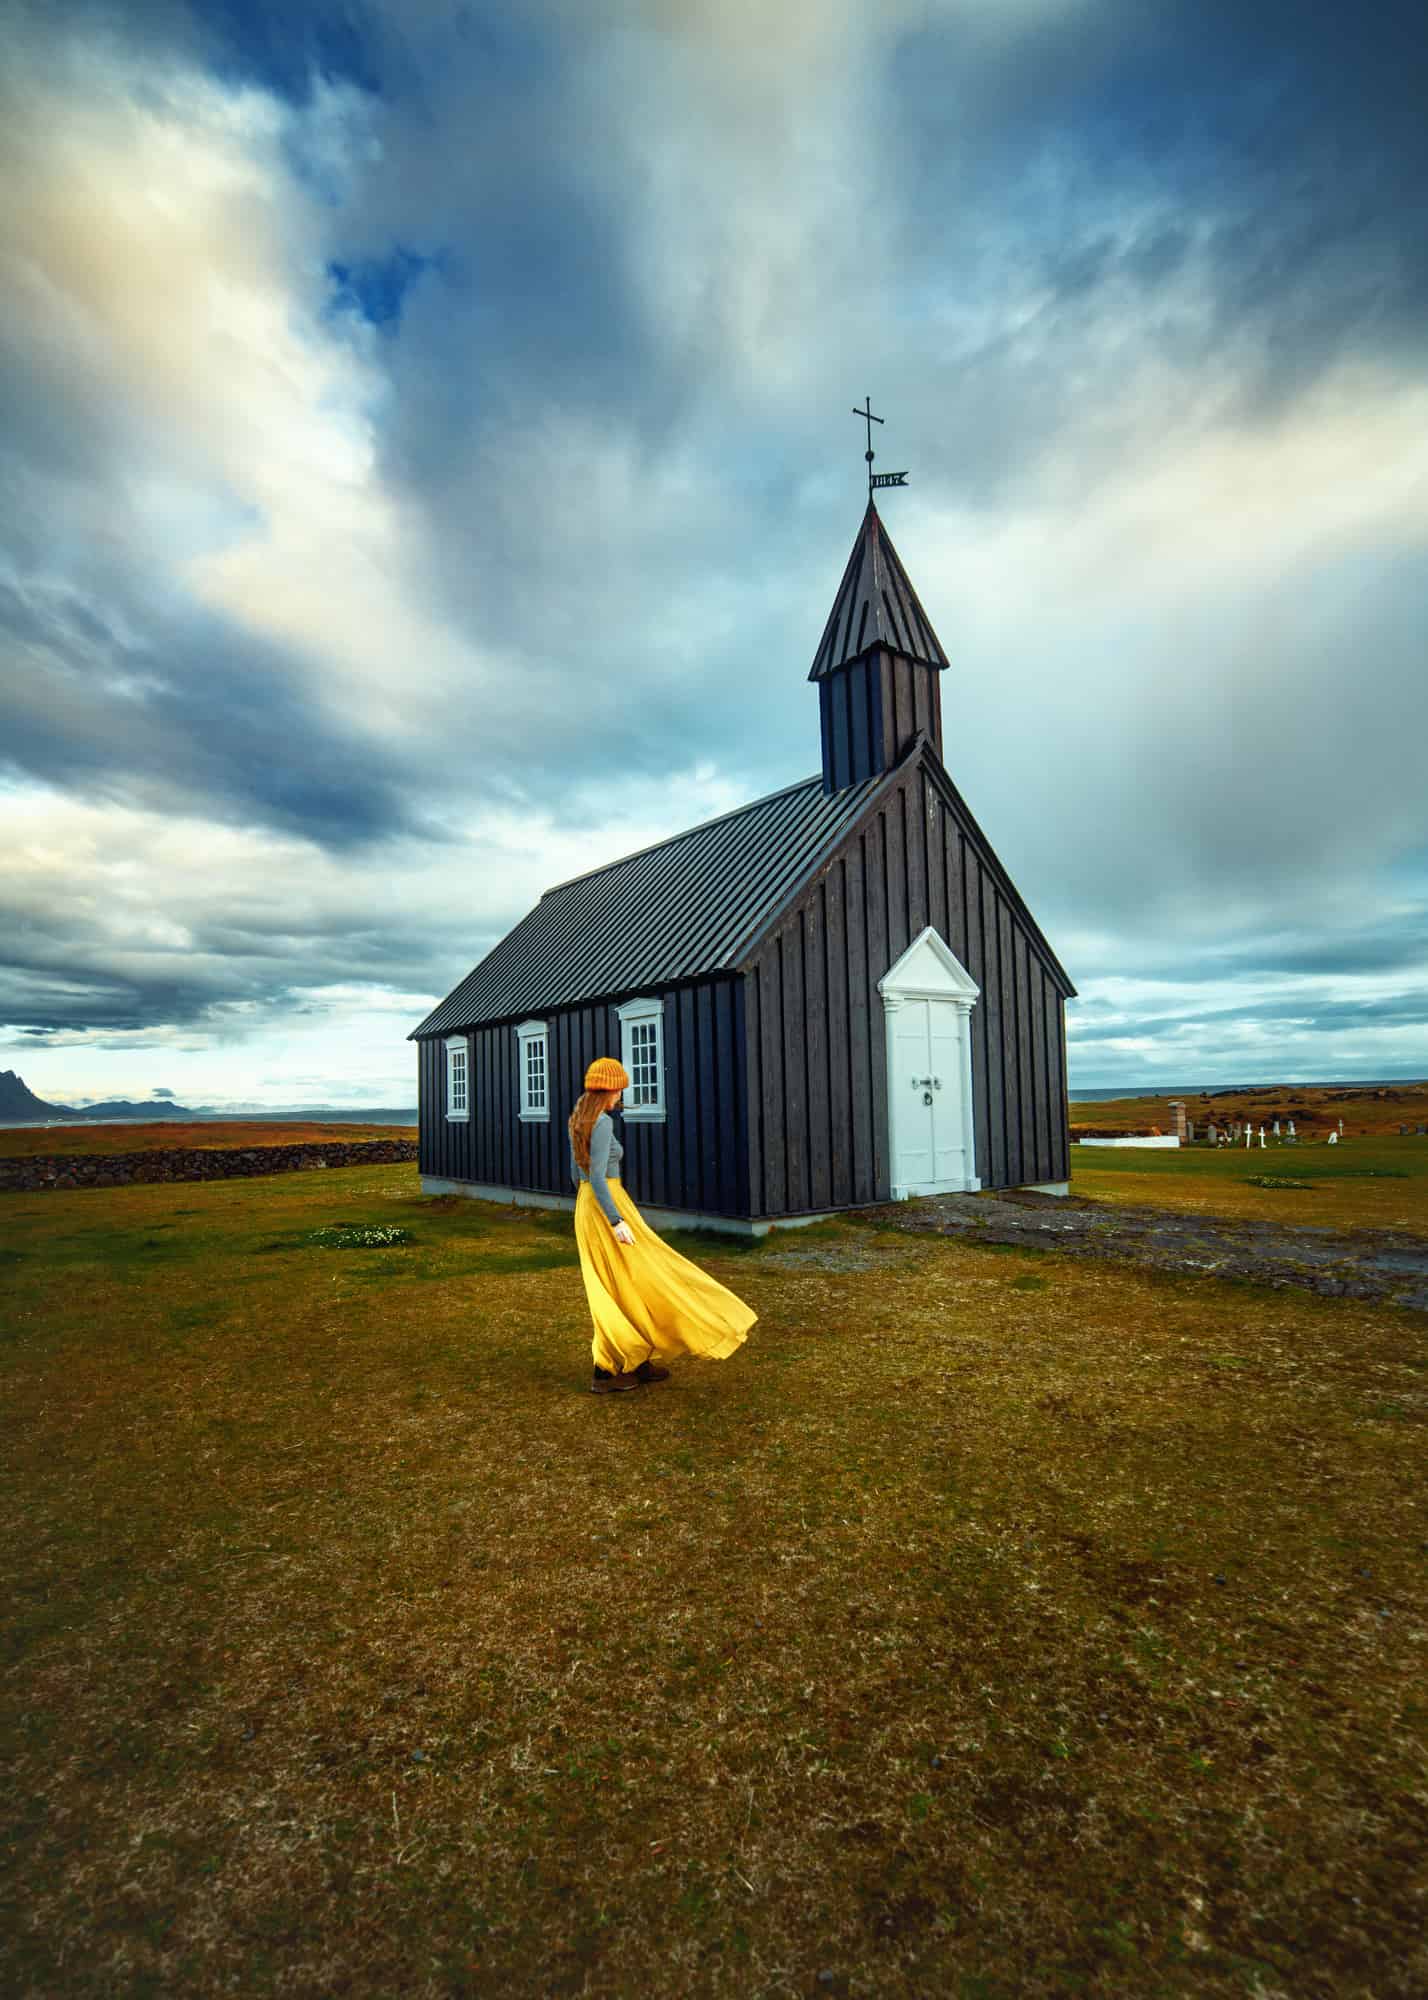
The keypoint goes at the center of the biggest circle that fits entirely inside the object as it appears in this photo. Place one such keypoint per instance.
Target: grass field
(990, 1625)
(1374, 1183)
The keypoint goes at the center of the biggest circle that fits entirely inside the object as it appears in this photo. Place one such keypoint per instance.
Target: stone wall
(215, 1164)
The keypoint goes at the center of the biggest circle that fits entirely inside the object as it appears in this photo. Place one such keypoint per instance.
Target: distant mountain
(17, 1101)
(19, 1104)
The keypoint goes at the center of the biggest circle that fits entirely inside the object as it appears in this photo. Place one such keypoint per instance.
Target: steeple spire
(876, 665)
(876, 605)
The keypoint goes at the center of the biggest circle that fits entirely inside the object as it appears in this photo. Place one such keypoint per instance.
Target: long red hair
(581, 1122)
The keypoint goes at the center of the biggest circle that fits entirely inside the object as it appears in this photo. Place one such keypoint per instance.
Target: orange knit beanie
(607, 1074)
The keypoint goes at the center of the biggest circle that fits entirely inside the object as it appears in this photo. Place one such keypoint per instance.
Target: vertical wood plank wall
(870, 710)
(817, 1054)
(697, 1159)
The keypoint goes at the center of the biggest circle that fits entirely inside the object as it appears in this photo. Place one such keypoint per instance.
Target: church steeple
(876, 665)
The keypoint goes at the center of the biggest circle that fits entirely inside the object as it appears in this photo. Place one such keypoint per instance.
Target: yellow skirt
(644, 1297)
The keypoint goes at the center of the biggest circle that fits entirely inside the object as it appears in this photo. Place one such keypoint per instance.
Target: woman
(645, 1299)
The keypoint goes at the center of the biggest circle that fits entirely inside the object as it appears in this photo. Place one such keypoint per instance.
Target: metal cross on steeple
(876, 478)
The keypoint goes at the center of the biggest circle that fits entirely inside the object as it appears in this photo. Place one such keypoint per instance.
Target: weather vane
(876, 478)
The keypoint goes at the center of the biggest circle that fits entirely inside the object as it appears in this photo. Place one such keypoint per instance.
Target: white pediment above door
(929, 970)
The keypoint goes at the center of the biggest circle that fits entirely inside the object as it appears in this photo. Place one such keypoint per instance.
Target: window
(644, 1061)
(642, 1052)
(532, 1046)
(458, 1103)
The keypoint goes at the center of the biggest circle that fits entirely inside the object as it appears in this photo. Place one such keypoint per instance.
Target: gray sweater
(606, 1153)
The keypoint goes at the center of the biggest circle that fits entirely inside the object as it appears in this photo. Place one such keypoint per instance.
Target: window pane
(535, 1074)
(644, 1062)
(456, 1080)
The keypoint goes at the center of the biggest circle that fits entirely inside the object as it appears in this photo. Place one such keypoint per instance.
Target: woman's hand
(624, 1233)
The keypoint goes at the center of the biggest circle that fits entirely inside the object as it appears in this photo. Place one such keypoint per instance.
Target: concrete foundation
(657, 1218)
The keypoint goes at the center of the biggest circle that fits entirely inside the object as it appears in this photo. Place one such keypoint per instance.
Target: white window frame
(458, 1045)
(527, 1033)
(634, 1013)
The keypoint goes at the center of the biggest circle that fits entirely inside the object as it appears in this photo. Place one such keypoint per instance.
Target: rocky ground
(1386, 1264)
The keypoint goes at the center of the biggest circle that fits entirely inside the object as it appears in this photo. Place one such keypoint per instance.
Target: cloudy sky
(427, 461)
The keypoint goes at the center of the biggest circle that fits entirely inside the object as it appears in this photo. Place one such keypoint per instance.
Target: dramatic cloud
(428, 460)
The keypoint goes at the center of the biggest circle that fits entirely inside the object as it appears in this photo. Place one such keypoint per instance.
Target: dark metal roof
(876, 605)
(688, 906)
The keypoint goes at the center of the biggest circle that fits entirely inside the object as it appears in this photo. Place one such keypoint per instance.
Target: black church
(831, 997)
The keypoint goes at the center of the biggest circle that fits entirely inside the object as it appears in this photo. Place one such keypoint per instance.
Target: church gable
(816, 1049)
(915, 850)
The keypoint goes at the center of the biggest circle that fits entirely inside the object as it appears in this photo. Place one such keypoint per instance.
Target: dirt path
(1386, 1264)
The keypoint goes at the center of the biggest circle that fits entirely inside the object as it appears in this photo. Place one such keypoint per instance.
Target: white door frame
(930, 970)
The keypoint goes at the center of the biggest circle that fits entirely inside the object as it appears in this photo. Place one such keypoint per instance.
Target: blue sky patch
(376, 287)
(289, 49)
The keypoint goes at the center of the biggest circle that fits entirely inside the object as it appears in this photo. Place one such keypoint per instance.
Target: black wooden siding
(696, 1159)
(817, 1053)
(869, 712)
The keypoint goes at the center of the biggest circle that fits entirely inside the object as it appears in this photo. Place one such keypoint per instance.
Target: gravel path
(1386, 1264)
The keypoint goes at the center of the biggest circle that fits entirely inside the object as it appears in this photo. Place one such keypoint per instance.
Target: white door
(947, 1036)
(929, 1125)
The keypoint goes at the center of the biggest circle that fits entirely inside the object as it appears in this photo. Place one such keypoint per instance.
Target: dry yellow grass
(1374, 1183)
(27, 1142)
(990, 1625)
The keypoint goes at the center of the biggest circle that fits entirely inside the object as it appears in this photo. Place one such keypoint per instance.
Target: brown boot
(650, 1371)
(603, 1383)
